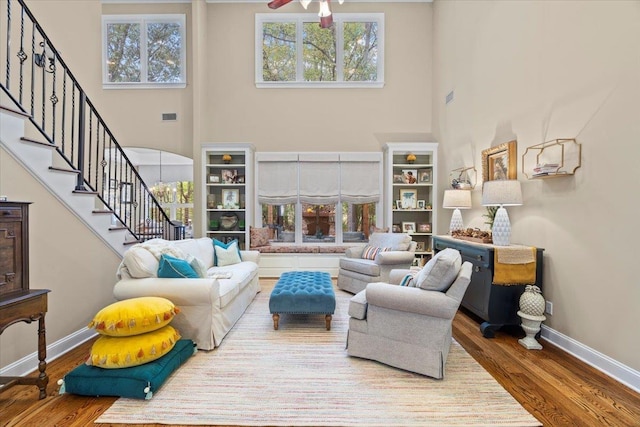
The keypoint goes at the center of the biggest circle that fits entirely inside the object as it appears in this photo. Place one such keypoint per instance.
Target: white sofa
(209, 307)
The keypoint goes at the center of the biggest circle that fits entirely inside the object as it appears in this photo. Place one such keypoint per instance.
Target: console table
(27, 307)
(497, 305)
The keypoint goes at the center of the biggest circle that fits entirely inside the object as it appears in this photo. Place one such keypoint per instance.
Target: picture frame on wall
(409, 198)
(499, 162)
(126, 192)
(231, 198)
(408, 227)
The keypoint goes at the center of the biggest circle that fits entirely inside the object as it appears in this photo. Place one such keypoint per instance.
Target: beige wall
(65, 257)
(539, 70)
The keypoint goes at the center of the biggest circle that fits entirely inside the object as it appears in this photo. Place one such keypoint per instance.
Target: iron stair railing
(41, 85)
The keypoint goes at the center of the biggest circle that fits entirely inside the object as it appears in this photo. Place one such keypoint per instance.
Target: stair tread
(15, 111)
(85, 192)
(102, 211)
(53, 168)
(35, 141)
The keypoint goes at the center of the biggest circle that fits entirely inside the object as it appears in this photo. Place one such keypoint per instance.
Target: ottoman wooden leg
(327, 320)
(276, 319)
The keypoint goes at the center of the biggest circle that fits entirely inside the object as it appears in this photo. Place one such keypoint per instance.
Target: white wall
(539, 70)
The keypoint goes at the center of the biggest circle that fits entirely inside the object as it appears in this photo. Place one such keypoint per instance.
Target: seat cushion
(440, 272)
(138, 382)
(359, 265)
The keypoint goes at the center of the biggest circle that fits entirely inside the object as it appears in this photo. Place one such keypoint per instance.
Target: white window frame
(338, 20)
(143, 20)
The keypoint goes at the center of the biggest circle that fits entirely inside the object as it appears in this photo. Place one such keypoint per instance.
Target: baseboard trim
(29, 363)
(616, 370)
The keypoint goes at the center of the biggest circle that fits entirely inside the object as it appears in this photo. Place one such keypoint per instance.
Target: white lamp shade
(502, 193)
(457, 199)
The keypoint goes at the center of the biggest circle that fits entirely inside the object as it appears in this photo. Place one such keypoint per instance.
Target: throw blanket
(514, 265)
(159, 247)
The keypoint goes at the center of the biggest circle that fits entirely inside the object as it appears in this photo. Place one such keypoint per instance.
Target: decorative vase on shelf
(411, 158)
(226, 158)
(532, 314)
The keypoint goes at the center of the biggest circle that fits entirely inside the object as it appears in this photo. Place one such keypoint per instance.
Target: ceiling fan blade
(278, 3)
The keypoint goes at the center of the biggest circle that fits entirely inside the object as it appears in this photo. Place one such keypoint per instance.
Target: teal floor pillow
(138, 382)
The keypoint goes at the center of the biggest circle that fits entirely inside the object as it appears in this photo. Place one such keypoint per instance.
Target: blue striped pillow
(370, 252)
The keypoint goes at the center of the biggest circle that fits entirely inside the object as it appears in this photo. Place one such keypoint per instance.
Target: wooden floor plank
(557, 388)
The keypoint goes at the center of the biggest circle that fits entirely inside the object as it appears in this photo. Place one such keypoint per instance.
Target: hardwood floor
(557, 388)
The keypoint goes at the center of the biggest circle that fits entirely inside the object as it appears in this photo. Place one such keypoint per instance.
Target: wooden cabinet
(18, 303)
(410, 174)
(228, 192)
(497, 305)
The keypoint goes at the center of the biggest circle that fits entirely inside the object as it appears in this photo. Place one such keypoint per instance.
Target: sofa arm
(395, 257)
(411, 300)
(182, 292)
(250, 256)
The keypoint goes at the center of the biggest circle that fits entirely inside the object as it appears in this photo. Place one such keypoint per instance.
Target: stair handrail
(119, 187)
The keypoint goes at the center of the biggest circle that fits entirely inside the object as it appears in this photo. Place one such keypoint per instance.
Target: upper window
(292, 50)
(143, 51)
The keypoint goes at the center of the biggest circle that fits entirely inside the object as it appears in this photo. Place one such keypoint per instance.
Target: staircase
(49, 125)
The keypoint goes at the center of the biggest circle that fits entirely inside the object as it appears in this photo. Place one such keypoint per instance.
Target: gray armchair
(407, 327)
(356, 272)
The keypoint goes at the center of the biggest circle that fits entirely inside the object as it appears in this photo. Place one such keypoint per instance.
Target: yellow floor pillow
(134, 316)
(124, 352)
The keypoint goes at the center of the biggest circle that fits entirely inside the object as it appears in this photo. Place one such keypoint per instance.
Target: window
(176, 198)
(292, 50)
(319, 197)
(143, 51)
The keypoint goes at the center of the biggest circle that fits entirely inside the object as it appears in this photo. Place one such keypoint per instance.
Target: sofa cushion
(200, 248)
(371, 252)
(395, 241)
(440, 272)
(359, 265)
(258, 236)
(134, 316)
(140, 263)
(174, 268)
(358, 305)
(125, 352)
(138, 382)
(233, 279)
(226, 253)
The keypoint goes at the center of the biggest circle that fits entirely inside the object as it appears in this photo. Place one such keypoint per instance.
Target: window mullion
(144, 57)
(300, 50)
(339, 50)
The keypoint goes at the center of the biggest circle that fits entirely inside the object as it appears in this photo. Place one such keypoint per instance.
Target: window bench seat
(276, 259)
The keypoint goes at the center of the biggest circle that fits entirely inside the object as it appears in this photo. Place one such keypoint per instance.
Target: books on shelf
(543, 169)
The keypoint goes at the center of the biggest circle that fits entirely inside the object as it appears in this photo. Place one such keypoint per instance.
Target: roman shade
(319, 179)
(359, 181)
(278, 179)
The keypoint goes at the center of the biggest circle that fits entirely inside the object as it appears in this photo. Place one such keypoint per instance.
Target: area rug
(300, 375)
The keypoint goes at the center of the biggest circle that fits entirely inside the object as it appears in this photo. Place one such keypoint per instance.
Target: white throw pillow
(228, 255)
(440, 272)
(140, 262)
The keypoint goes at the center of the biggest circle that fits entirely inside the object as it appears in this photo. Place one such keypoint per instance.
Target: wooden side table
(27, 306)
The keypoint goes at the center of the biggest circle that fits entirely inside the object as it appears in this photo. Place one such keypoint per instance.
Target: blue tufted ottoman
(303, 292)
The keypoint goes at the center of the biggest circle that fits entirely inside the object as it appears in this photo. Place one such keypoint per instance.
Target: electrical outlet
(548, 308)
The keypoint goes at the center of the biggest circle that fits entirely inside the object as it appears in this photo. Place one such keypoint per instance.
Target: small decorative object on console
(472, 235)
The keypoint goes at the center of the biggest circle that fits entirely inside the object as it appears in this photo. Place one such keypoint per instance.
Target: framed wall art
(231, 198)
(126, 192)
(499, 162)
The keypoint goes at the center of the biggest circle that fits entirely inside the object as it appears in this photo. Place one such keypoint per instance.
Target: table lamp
(456, 199)
(501, 193)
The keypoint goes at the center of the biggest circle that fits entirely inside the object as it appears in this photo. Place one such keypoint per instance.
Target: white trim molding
(616, 370)
(30, 362)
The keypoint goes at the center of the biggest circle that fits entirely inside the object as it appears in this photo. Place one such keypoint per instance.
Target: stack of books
(543, 169)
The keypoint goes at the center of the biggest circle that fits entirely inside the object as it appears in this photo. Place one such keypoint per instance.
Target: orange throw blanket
(514, 265)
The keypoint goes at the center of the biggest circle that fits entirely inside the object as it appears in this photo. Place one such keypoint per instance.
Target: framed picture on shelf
(398, 179)
(240, 179)
(396, 228)
(399, 204)
(126, 192)
(410, 176)
(409, 198)
(421, 204)
(499, 162)
(425, 176)
(424, 227)
(408, 227)
(229, 176)
(231, 199)
(214, 178)
(420, 247)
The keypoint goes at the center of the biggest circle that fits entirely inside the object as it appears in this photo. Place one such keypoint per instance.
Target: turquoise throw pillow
(220, 247)
(175, 268)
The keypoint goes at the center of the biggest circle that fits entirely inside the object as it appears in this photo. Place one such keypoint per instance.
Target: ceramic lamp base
(501, 230)
(456, 221)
